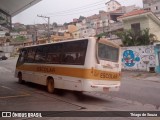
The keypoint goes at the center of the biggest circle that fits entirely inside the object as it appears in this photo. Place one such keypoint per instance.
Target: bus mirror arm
(97, 58)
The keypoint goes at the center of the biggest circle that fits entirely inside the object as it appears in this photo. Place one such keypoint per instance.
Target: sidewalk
(140, 75)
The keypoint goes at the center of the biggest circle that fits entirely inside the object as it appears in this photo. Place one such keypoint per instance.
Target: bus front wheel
(50, 85)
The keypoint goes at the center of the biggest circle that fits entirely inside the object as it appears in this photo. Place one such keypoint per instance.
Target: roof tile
(135, 12)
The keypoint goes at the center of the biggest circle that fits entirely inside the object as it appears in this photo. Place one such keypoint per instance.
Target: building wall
(72, 28)
(144, 23)
(76, 34)
(154, 5)
(154, 28)
(87, 32)
(138, 58)
(157, 54)
(112, 5)
(57, 37)
(7, 50)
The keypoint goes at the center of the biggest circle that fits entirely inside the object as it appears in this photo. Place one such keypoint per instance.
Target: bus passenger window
(31, 55)
(52, 59)
(40, 55)
(22, 57)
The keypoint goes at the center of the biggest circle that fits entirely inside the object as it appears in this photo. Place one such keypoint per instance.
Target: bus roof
(104, 40)
(60, 42)
(108, 42)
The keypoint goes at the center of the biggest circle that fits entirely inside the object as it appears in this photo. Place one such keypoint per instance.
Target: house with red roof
(141, 19)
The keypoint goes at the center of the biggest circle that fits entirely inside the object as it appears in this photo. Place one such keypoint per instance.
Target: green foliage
(65, 24)
(7, 34)
(81, 17)
(131, 38)
(101, 35)
(55, 24)
(20, 39)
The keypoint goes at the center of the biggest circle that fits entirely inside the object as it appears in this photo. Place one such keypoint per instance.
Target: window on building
(136, 27)
(156, 8)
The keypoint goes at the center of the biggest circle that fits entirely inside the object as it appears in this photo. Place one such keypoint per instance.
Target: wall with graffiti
(138, 58)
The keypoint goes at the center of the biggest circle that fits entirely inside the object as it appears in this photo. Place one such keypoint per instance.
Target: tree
(7, 34)
(132, 38)
(54, 24)
(81, 18)
(20, 39)
(65, 24)
(101, 35)
(147, 38)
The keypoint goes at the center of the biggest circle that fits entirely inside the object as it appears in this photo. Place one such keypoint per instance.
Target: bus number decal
(46, 69)
(108, 75)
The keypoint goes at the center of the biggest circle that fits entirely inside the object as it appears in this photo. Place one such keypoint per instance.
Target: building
(157, 56)
(153, 5)
(63, 35)
(141, 19)
(112, 5)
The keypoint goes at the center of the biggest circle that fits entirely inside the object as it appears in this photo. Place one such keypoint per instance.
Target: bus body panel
(94, 75)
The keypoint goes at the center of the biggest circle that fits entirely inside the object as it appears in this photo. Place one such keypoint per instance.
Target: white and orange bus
(85, 64)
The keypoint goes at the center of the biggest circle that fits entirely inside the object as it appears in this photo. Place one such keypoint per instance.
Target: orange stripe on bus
(72, 72)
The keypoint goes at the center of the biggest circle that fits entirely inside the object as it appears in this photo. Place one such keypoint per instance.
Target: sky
(61, 11)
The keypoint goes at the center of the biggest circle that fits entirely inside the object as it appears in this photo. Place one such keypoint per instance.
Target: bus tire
(20, 81)
(50, 85)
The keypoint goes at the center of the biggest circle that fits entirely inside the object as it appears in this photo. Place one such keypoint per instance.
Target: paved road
(140, 89)
(17, 97)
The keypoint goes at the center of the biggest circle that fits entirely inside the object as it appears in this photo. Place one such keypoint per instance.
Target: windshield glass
(106, 52)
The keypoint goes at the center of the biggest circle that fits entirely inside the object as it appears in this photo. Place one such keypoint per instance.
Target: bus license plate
(105, 89)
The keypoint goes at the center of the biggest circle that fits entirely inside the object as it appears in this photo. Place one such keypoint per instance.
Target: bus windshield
(108, 53)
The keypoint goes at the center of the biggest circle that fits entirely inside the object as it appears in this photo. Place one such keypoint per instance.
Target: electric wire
(77, 12)
(77, 9)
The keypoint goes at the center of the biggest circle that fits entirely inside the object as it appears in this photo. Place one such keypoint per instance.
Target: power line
(79, 8)
(48, 25)
(77, 12)
(73, 11)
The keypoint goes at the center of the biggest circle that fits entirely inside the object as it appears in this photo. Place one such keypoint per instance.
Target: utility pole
(48, 26)
(109, 25)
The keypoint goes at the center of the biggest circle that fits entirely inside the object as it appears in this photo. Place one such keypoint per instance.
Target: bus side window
(53, 59)
(69, 59)
(22, 57)
(31, 55)
(40, 56)
(54, 52)
(74, 52)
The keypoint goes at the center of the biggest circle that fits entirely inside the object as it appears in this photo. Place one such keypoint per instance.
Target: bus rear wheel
(50, 85)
